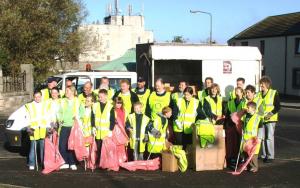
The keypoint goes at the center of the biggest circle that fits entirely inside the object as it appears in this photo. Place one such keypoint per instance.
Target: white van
(17, 122)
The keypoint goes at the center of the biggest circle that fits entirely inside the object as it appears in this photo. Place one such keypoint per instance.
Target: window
(245, 43)
(113, 82)
(262, 47)
(296, 78)
(297, 46)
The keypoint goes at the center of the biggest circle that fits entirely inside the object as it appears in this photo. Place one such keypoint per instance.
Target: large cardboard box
(211, 158)
(169, 162)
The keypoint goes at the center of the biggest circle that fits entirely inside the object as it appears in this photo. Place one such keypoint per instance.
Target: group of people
(153, 120)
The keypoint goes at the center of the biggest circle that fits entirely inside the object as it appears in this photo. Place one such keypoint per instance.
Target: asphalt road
(284, 172)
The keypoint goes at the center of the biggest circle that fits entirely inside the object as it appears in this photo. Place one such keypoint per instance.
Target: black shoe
(268, 160)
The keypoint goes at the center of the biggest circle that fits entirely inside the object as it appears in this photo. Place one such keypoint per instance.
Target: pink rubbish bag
(52, 158)
(236, 118)
(119, 134)
(91, 162)
(76, 142)
(142, 165)
(121, 153)
(109, 157)
(249, 147)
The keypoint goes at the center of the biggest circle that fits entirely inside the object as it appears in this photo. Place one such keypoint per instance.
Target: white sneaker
(73, 167)
(31, 167)
(64, 166)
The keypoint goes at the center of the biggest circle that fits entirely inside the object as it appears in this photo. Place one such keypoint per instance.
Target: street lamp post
(210, 15)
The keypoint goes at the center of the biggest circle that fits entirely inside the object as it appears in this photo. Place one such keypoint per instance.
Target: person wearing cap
(46, 93)
(142, 92)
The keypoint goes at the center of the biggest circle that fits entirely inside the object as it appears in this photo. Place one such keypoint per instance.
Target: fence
(14, 83)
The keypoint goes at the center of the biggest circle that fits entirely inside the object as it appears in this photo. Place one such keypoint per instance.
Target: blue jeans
(34, 144)
(267, 145)
(67, 154)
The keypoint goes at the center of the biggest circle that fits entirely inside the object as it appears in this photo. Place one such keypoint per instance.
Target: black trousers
(99, 147)
(183, 139)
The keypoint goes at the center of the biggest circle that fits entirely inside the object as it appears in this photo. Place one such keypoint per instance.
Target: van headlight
(9, 123)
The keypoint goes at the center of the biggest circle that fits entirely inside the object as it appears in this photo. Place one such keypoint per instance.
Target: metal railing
(14, 83)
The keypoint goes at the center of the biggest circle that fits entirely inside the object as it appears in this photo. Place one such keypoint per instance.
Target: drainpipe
(285, 65)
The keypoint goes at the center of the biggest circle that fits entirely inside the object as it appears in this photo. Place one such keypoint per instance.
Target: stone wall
(10, 101)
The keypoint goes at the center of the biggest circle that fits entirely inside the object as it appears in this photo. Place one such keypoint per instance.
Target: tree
(40, 32)
(178, 39)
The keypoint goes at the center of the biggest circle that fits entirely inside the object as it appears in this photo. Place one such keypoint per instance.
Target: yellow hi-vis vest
(132, 140)
(143, 98)
(102, 120)
(126, 102)
(268, 104)
(86, 122)
(175, 97)
(216, 108)
(250, 128)
(157, 103)
(232, 95)
(201, 95)
(233, 108)
(37, 120)
(157, 145)
(187, 115)
(206, 131)
(45, 94)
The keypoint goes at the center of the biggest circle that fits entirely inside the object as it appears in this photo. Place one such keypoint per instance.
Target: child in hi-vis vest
(136, 125)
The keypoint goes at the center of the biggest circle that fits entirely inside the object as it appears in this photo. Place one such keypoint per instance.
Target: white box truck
(194, 62)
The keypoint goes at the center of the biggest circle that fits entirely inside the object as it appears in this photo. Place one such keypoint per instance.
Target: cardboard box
(211, 158)
(169, 162)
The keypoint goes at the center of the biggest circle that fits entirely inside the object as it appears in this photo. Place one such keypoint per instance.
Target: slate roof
(272, 26)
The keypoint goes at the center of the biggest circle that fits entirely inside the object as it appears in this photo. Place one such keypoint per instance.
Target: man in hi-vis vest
(36, 112)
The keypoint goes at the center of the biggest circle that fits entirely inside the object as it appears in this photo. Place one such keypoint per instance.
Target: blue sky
(168, 18)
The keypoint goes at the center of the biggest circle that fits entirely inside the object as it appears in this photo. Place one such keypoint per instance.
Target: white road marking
(11, 186)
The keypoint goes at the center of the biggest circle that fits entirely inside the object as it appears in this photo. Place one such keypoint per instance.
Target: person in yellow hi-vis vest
(53, 105)
(46, 93)
(37, 113)
(128, 97)
(177, 95)
(104, 84)
(104, 120)
(158, 133)
(271, 106)
(240, 82)
(86, 117)
(251, 121)
(158, 99)
(205, 91)
(214, 103)
(185, 112)
(68, 113)
(136, 125)
(142, 92)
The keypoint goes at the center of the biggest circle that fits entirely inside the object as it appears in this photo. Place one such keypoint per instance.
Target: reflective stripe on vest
(157, 103)
(251, 127)
(132, 140)
(102, 120)
(215, 108)
(37, 120)
(187, 114)
(157, 145)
